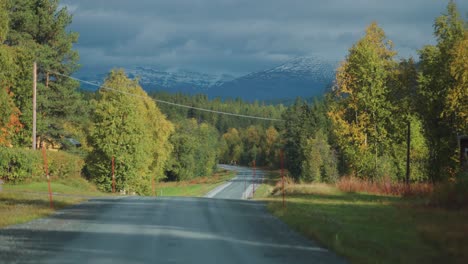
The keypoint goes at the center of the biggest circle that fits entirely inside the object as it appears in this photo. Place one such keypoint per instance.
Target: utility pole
(34, 105)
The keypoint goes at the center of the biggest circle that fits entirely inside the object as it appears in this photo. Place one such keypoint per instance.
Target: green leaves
(195, 150)
(131, 129)
(442, 91)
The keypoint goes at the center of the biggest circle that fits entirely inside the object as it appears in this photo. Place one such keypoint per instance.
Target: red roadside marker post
(46, 169)
(282, 174)
(153, 185)
(245, 186)
(253, 191)
(113, 175)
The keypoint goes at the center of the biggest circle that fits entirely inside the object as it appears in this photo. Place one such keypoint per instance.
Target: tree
(38, 32)
(9, 119)
(320, 163)
(196, 149)
(360, 110)
(442, 92)
(131, 129)
(271, 147)
(301, 122)
(232, 146)
(456, 101)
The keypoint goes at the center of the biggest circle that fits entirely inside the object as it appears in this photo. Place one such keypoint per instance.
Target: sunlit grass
(369, 228)
(24, 202)
(194, 188)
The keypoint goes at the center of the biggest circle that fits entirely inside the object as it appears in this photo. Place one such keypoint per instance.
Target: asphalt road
(162, 230)
(242, 186)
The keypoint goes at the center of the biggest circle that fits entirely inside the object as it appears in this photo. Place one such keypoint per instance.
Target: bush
(64, 165)
(19, 165)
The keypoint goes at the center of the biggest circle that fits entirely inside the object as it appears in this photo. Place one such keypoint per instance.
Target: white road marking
(218, 189)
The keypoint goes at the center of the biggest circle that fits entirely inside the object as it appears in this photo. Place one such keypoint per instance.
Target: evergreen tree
(38, 31)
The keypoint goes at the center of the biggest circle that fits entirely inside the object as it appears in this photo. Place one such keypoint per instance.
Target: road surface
(162, 230)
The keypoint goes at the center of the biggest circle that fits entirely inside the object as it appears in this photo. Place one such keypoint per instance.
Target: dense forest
(361, 127)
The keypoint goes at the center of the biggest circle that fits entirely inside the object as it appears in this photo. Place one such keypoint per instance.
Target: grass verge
(21, 203)
(196, 187)
(370, 228)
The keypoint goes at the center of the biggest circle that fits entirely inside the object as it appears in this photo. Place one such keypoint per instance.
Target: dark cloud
(239, 36)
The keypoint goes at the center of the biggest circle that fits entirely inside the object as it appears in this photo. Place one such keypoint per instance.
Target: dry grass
(372, 223)
(384, 187)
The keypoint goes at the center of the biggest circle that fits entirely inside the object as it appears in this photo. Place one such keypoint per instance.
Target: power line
(169, 103)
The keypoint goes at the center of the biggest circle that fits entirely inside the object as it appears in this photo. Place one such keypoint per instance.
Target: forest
(380, 113)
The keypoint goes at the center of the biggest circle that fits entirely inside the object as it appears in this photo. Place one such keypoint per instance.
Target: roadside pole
(113, 175)
(46, 169)
(34, 106)
(153, 186)
(282, 174)
(253, 191)
(245, 186)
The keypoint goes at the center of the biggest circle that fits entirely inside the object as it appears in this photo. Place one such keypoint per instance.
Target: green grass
(21, 203)
(194, 188)
(367, 228)
(24, 202)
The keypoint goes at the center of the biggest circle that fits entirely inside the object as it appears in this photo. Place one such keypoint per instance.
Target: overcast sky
(241, 36)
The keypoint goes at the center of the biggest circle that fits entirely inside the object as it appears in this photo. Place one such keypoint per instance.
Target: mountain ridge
(302, 76)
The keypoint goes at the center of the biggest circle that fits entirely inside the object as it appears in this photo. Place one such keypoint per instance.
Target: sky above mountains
(241, 36)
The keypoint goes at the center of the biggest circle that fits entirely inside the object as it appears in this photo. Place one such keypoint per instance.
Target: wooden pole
(34, 105)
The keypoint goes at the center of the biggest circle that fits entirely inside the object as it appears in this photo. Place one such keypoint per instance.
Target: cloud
(240, 36)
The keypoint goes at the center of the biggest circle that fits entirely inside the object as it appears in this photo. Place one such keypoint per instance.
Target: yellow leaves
(457, 96)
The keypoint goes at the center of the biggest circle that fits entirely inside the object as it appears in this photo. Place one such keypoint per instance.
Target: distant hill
(304, 76)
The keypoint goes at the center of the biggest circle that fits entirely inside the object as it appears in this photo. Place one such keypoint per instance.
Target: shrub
(19, 165)
(64, 165)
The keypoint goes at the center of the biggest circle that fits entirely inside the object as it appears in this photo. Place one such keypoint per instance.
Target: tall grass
(385, 187)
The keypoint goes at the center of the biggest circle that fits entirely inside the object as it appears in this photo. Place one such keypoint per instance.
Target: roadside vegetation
(197, 187)
(351, 145)
(24, 202)
(366, 224)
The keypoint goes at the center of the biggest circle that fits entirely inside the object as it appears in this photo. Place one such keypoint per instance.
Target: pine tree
(38, 32)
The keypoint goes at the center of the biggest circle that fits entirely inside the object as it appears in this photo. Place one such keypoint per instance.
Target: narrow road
(162, 230)
(242, 186)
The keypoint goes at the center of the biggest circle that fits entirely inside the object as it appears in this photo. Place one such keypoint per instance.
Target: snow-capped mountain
(304, 76)
(176, 81)
(152, 78)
